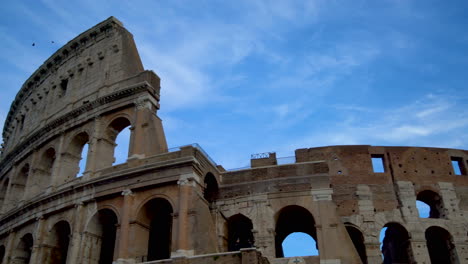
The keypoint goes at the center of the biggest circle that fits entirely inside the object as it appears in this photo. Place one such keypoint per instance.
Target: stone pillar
(123, 254)
(148, 135)
(37, 255)
(450, 201)
(79, 218)
(186, 184)
(374, 255)
(100, 149)
(407, 197)
(419, 249)
(58, 170)
(330, 232)
(9, 247)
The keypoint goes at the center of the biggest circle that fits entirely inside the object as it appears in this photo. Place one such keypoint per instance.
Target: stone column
(123, 253)
(9, 247)
(58, 170)
(186, 184)
(37, 255)
(419, 249)
(76, 235)
(148, 135)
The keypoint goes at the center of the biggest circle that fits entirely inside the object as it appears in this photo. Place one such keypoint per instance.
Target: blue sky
(244, 77)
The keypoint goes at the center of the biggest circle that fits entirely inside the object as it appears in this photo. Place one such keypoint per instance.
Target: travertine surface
(178, 206)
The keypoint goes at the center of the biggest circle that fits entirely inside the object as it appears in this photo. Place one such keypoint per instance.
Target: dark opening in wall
(396, 246)
(63, 87)
(434, 201)
(2, 253)
(22, 253)
(358, 241)
(159, 243)
(59, 240)
(440, 246)
(210, 193)
(293, 219)
(240, 233)
(108, 221)
(378, 164)
(458, 166)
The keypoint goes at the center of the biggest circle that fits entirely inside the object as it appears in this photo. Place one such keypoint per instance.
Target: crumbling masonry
(177, 205)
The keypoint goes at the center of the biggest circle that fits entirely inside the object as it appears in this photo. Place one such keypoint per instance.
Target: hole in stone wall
(293, 219)
(210, 193)
(440, 245)
(3, 191)
(358, 241)
(83, 160)
(423, 209)
(122, 142)
(458, 166)
(59, 239)
(102, 226)
(24, 249)
(378, 164)
(157, 216)
(240, 232)
(433, 201)
(395, 244)
(299, 244)
(63, 87)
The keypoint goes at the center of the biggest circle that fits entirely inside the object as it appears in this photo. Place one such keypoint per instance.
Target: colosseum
(177, 205)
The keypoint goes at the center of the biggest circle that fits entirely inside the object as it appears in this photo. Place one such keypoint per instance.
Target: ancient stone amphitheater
(177, 205)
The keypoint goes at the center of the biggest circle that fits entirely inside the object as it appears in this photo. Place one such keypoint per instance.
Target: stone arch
(290, 219)
(58, 241)
(358, 241)
(396, 246)
(154, 227)
(18, 184)
(43, 171)
(22, 252)
(100, 237)
(211, 189)
(113, 130)
(239, 232)
(72, 156)
(434, 201)
(440, 245)
(2, 253)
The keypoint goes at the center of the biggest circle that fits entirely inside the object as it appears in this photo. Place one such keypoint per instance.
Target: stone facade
(177, 205)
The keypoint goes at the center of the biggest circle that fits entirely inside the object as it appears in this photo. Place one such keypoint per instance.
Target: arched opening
(292, 219)
(440, 246)
(2, 253)
(83, 160)
(18, 187)
(100, 235)
(73, 156)
(240, 232)
(155, 226)
(43, 171)
(395, 244)
(358, 241)
(59, 239)
(22, 253)
(119, 133)
(299, 244)
(434, 201)
(210, 193)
